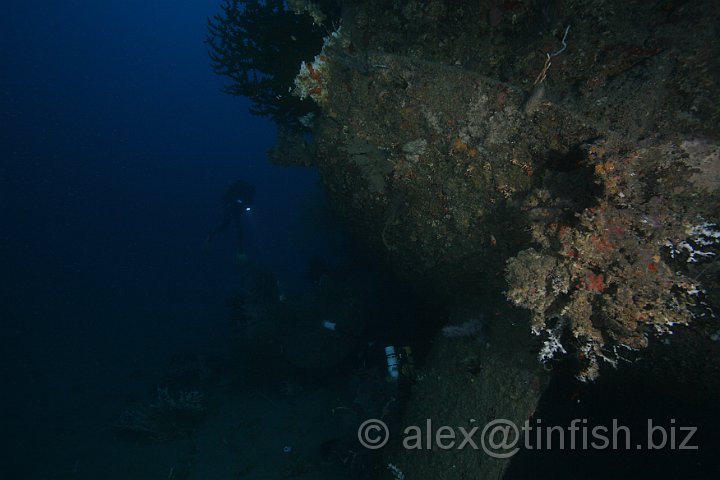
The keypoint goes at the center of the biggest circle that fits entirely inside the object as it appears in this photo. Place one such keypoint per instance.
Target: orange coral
(459, 146)
(602, 244)
(312, 73)
(595, 282)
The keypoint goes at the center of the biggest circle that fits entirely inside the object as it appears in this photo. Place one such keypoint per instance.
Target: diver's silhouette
(237, 201)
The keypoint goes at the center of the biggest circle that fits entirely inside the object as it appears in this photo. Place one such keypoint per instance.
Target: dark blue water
(116, 144)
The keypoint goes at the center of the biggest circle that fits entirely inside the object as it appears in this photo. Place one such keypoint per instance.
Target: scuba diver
(237, 201)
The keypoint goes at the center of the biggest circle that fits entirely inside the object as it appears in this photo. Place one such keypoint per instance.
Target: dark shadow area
(571, 184)
(647, 417)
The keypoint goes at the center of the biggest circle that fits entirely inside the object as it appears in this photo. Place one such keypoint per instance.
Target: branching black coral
(259, 46)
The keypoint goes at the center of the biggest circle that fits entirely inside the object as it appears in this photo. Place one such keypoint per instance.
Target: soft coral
(595, 282)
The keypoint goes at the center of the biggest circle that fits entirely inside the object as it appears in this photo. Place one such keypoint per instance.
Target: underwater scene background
(420, 239)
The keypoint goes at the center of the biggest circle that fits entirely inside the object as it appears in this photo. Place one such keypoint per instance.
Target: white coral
(312, 79)
(705, 235)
